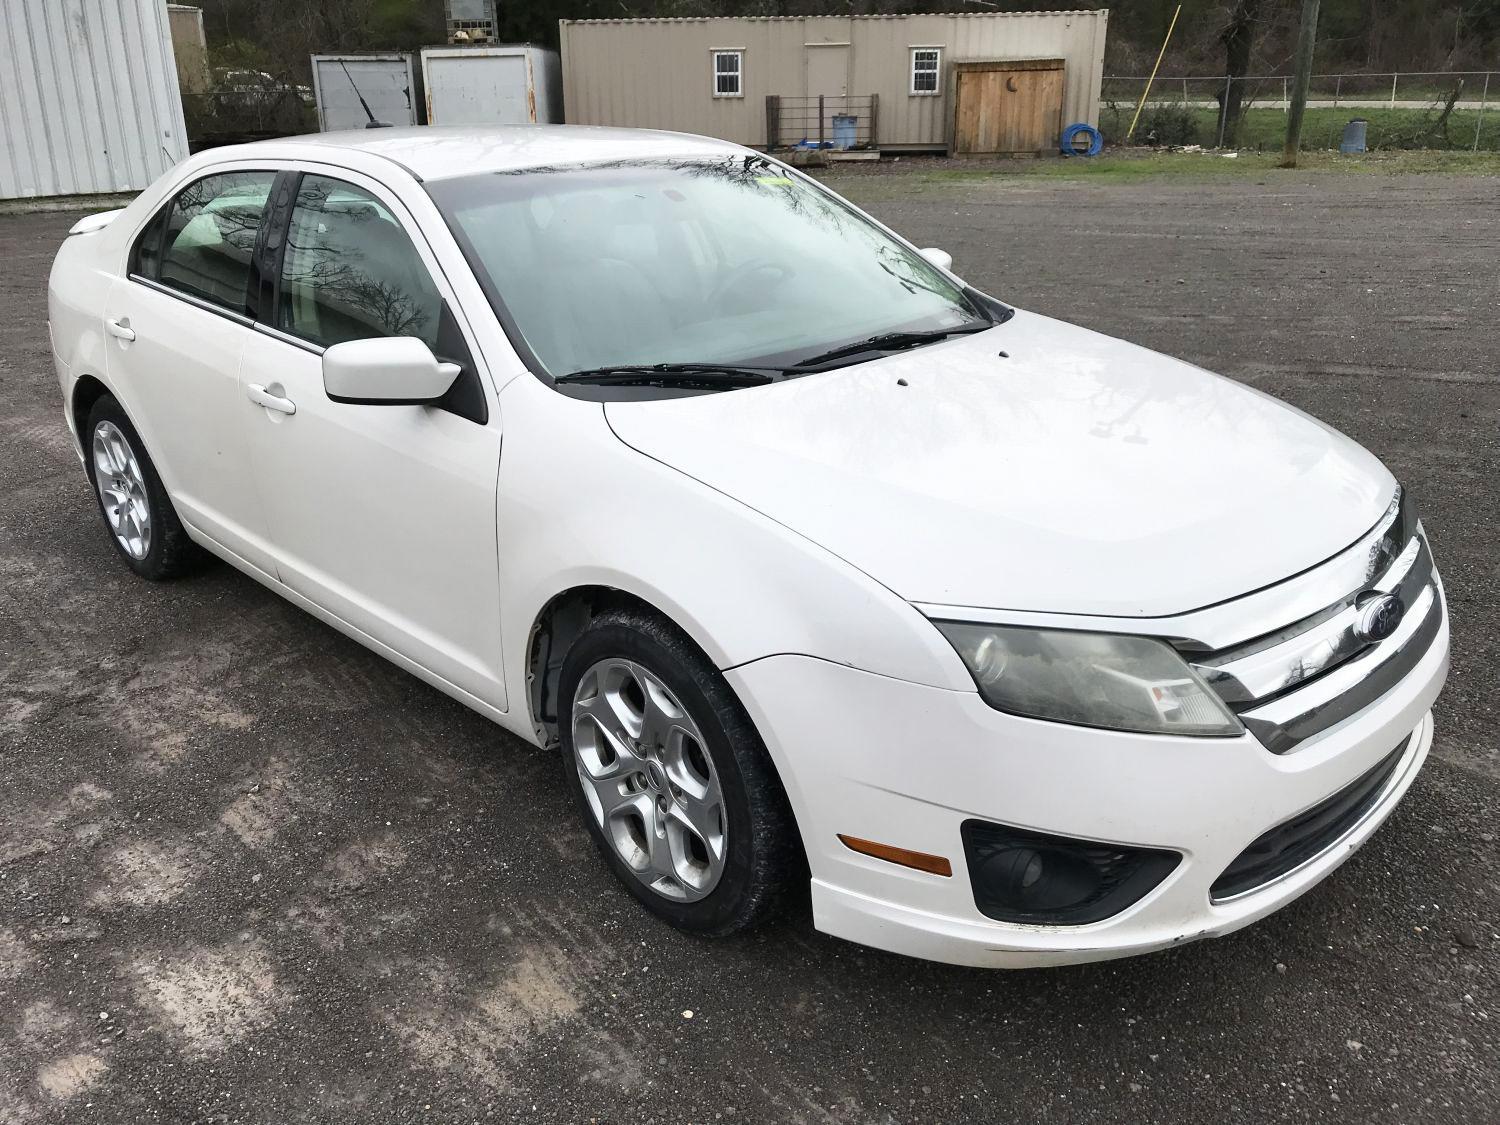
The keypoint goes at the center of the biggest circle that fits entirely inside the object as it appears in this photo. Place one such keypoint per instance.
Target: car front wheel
(672, 779)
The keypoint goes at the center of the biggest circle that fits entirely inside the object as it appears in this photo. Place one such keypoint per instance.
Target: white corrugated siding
(656, 73)
(88, 97)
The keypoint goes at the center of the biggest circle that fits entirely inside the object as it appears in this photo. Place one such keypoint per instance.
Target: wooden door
(1007, 107)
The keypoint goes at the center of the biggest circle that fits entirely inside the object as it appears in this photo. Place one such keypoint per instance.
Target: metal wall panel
(657, 73)
(546, 77)
(489, 85)
(88, 97)
(384, 81)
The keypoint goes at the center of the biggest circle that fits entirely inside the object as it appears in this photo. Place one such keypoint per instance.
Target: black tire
(170, 553)
(763, 851)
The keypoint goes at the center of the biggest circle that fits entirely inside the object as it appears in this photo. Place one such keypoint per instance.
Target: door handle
(262, 397)
(120, 329)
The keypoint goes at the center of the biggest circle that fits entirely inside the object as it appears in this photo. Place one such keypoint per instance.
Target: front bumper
(904, 764)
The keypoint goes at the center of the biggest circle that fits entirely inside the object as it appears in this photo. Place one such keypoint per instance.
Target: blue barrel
(845, 129)
(1354, 136)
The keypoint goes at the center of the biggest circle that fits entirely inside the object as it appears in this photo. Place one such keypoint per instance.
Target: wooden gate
(1007, 106)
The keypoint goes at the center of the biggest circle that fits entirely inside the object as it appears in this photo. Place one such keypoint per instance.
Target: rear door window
(207, 243)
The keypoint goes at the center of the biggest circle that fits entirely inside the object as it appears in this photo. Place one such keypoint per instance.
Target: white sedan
(1020, 644)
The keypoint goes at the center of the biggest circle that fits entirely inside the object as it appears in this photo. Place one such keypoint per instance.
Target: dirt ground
(250, 872)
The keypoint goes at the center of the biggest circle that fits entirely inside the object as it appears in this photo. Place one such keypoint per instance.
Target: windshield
(728, 261)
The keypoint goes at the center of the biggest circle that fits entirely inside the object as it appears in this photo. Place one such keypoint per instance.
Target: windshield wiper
(674, 374)
(892, 342)
(718, 375)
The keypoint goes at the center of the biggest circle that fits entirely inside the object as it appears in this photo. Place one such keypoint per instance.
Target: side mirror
(388, 371)
(940, 258)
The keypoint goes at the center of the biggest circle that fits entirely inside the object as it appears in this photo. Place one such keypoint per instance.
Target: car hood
(1036, 466)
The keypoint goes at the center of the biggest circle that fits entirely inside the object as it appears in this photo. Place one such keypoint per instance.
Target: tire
(759, 854)
(162, 551)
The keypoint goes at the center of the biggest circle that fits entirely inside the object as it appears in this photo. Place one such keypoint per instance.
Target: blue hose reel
(1096, 140)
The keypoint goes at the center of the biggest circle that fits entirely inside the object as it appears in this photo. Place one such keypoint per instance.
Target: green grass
(1136, 165)
(1124, 166)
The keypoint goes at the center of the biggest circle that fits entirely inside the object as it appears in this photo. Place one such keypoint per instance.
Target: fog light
(1015, 869)
(1023, 876)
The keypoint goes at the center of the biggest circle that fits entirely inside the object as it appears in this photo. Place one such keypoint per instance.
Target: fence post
(1338, 86)
(1479, 117)
(773, 122)
(1393, 89)
(875, 121)
(1224, 110)
(820, 120)
(1184, 92)
(1286, 103)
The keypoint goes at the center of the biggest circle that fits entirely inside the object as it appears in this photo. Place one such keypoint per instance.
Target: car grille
(1302, 839)
(1298, 681)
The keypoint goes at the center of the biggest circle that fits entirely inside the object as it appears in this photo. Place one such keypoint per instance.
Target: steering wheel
(766, 275)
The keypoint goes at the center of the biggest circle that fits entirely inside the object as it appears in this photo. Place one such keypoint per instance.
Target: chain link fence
(248, 105)
(1447, 110)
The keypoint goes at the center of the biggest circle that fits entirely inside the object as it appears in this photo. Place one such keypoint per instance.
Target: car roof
(434, 152)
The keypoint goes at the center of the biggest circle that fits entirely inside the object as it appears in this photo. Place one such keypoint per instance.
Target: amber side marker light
(932, 864)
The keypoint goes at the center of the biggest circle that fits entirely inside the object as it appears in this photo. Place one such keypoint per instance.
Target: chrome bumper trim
(1291, 719)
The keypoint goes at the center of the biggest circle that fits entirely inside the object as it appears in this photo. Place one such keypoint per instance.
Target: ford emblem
(1379, 618)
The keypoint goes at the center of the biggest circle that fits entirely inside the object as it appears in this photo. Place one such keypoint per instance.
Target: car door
(382, 515)
(179, 324)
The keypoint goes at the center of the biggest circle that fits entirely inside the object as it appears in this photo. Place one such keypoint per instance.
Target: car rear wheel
(139, 516)
(672, 780)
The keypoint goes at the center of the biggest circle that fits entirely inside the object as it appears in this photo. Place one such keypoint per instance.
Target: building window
(728, 73)
(925, 68)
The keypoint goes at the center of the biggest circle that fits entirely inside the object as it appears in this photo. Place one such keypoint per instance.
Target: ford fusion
(1016, 644)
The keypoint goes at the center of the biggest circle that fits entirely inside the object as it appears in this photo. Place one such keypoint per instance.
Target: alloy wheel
(122, 490)
(649, 780)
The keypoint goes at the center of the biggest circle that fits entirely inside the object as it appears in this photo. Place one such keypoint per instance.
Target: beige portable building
(850, 82)
(191, 48)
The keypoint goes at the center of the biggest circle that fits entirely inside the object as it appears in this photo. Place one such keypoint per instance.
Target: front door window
(351, 272)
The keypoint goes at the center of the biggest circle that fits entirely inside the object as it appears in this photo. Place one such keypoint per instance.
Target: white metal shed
(516, 85)
(89, 101)
(383, 81)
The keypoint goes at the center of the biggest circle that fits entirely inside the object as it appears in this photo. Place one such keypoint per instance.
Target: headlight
(1091, 679)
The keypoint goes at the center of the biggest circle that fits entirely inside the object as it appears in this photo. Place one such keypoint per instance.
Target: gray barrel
(845, 130)
(1354, 136)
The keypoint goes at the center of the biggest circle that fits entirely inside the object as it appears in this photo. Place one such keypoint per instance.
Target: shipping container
(344, 85)
(776, 81)
(492, 85)
(190, 45)
(89, 101)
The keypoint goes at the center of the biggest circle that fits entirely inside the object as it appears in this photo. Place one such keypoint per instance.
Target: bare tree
(1238, 38)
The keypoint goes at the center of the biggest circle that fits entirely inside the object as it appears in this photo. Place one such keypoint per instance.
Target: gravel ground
(250, 872)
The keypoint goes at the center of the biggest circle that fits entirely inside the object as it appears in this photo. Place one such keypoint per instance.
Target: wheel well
(86, 392)
(560, 623)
